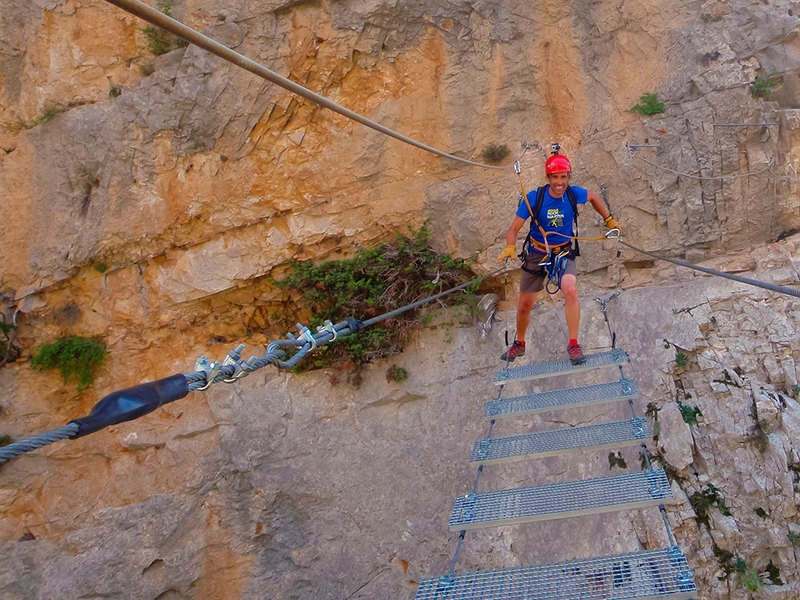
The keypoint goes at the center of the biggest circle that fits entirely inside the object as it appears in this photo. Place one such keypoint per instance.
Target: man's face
(558, 183)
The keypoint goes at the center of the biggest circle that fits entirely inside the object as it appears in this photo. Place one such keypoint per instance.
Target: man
(556, 216)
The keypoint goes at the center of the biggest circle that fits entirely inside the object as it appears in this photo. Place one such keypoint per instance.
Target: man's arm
(511, 239)
(598, 205)
(601, 210)
(513, 231)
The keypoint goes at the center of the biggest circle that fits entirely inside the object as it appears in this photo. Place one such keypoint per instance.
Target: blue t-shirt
(555, 215)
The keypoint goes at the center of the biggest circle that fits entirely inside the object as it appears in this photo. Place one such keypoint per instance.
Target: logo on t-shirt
(555, 218)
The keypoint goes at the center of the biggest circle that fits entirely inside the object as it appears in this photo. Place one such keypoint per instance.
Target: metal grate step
(561, 441)
(662, 574)
(561, 366)
(559, 500)
(566, 398)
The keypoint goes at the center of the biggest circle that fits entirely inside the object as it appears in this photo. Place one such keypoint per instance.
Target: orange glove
(509, 252)
(612, 223)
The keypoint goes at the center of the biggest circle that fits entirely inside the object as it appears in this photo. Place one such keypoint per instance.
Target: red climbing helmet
(556, 164)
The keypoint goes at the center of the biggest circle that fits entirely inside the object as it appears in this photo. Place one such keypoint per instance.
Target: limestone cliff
(150, 200)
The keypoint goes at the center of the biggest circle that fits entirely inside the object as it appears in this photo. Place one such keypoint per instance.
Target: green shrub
(5, 440)
(161, 41)
(705, 499)
(649, 105)
(690, 413)
(494, 153)
(764, 83)
(794, 538)
(50, 111)
(751, 579)
(774, 573)
(395, 373)
(681, 359)
(616, 460)
(8, 350)
(76, 358)
(373, 282)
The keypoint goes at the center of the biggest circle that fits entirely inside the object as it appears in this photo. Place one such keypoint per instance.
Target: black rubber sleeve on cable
(132, 403)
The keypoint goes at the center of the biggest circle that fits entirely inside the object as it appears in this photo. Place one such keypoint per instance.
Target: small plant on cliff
(395, 373)
(706, 499)
(681, 359)
(8, 350)
(5, 440)
(764, 84)
(616, 460)
(75, 357)
(794, 538)
(375, 281)
(689, 413)
(649, 105)
(728, 562)
(50, 111)
(751, 579)
(160, 41)
(494, 153)
(774, 573)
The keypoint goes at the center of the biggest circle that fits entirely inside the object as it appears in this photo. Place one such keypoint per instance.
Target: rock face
(150, 201)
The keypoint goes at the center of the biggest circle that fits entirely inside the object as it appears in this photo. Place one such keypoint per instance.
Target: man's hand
(612, 223)
(509, 252)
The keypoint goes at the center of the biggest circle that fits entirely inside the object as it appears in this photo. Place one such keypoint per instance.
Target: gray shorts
(534, 282)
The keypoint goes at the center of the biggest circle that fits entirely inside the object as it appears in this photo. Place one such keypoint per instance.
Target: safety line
(155, 17)
(781, 289)
(132, 403)
(703, 177)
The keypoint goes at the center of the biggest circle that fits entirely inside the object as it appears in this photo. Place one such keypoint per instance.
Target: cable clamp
(517, 168)
(329, 328)
(211, 370)
(238, 370)
(306, 336)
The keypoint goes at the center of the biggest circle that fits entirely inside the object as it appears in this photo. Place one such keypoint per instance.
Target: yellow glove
(612, 223)
(509, 252)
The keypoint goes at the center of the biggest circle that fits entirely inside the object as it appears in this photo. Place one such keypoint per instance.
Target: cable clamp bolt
(211, 370)
(329, 328)
(238, 370)
(306, 336)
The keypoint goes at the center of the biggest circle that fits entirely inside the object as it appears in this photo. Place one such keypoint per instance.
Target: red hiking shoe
(576, 356)
(516, 349)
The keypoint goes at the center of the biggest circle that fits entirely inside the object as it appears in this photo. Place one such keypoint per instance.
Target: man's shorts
(534, 282)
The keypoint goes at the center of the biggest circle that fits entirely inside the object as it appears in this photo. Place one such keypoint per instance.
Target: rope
(177, 28)
(132, 403)
(37, 441)
(754, 282)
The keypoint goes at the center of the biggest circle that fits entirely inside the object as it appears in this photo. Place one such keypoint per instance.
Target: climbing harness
(132, 403)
